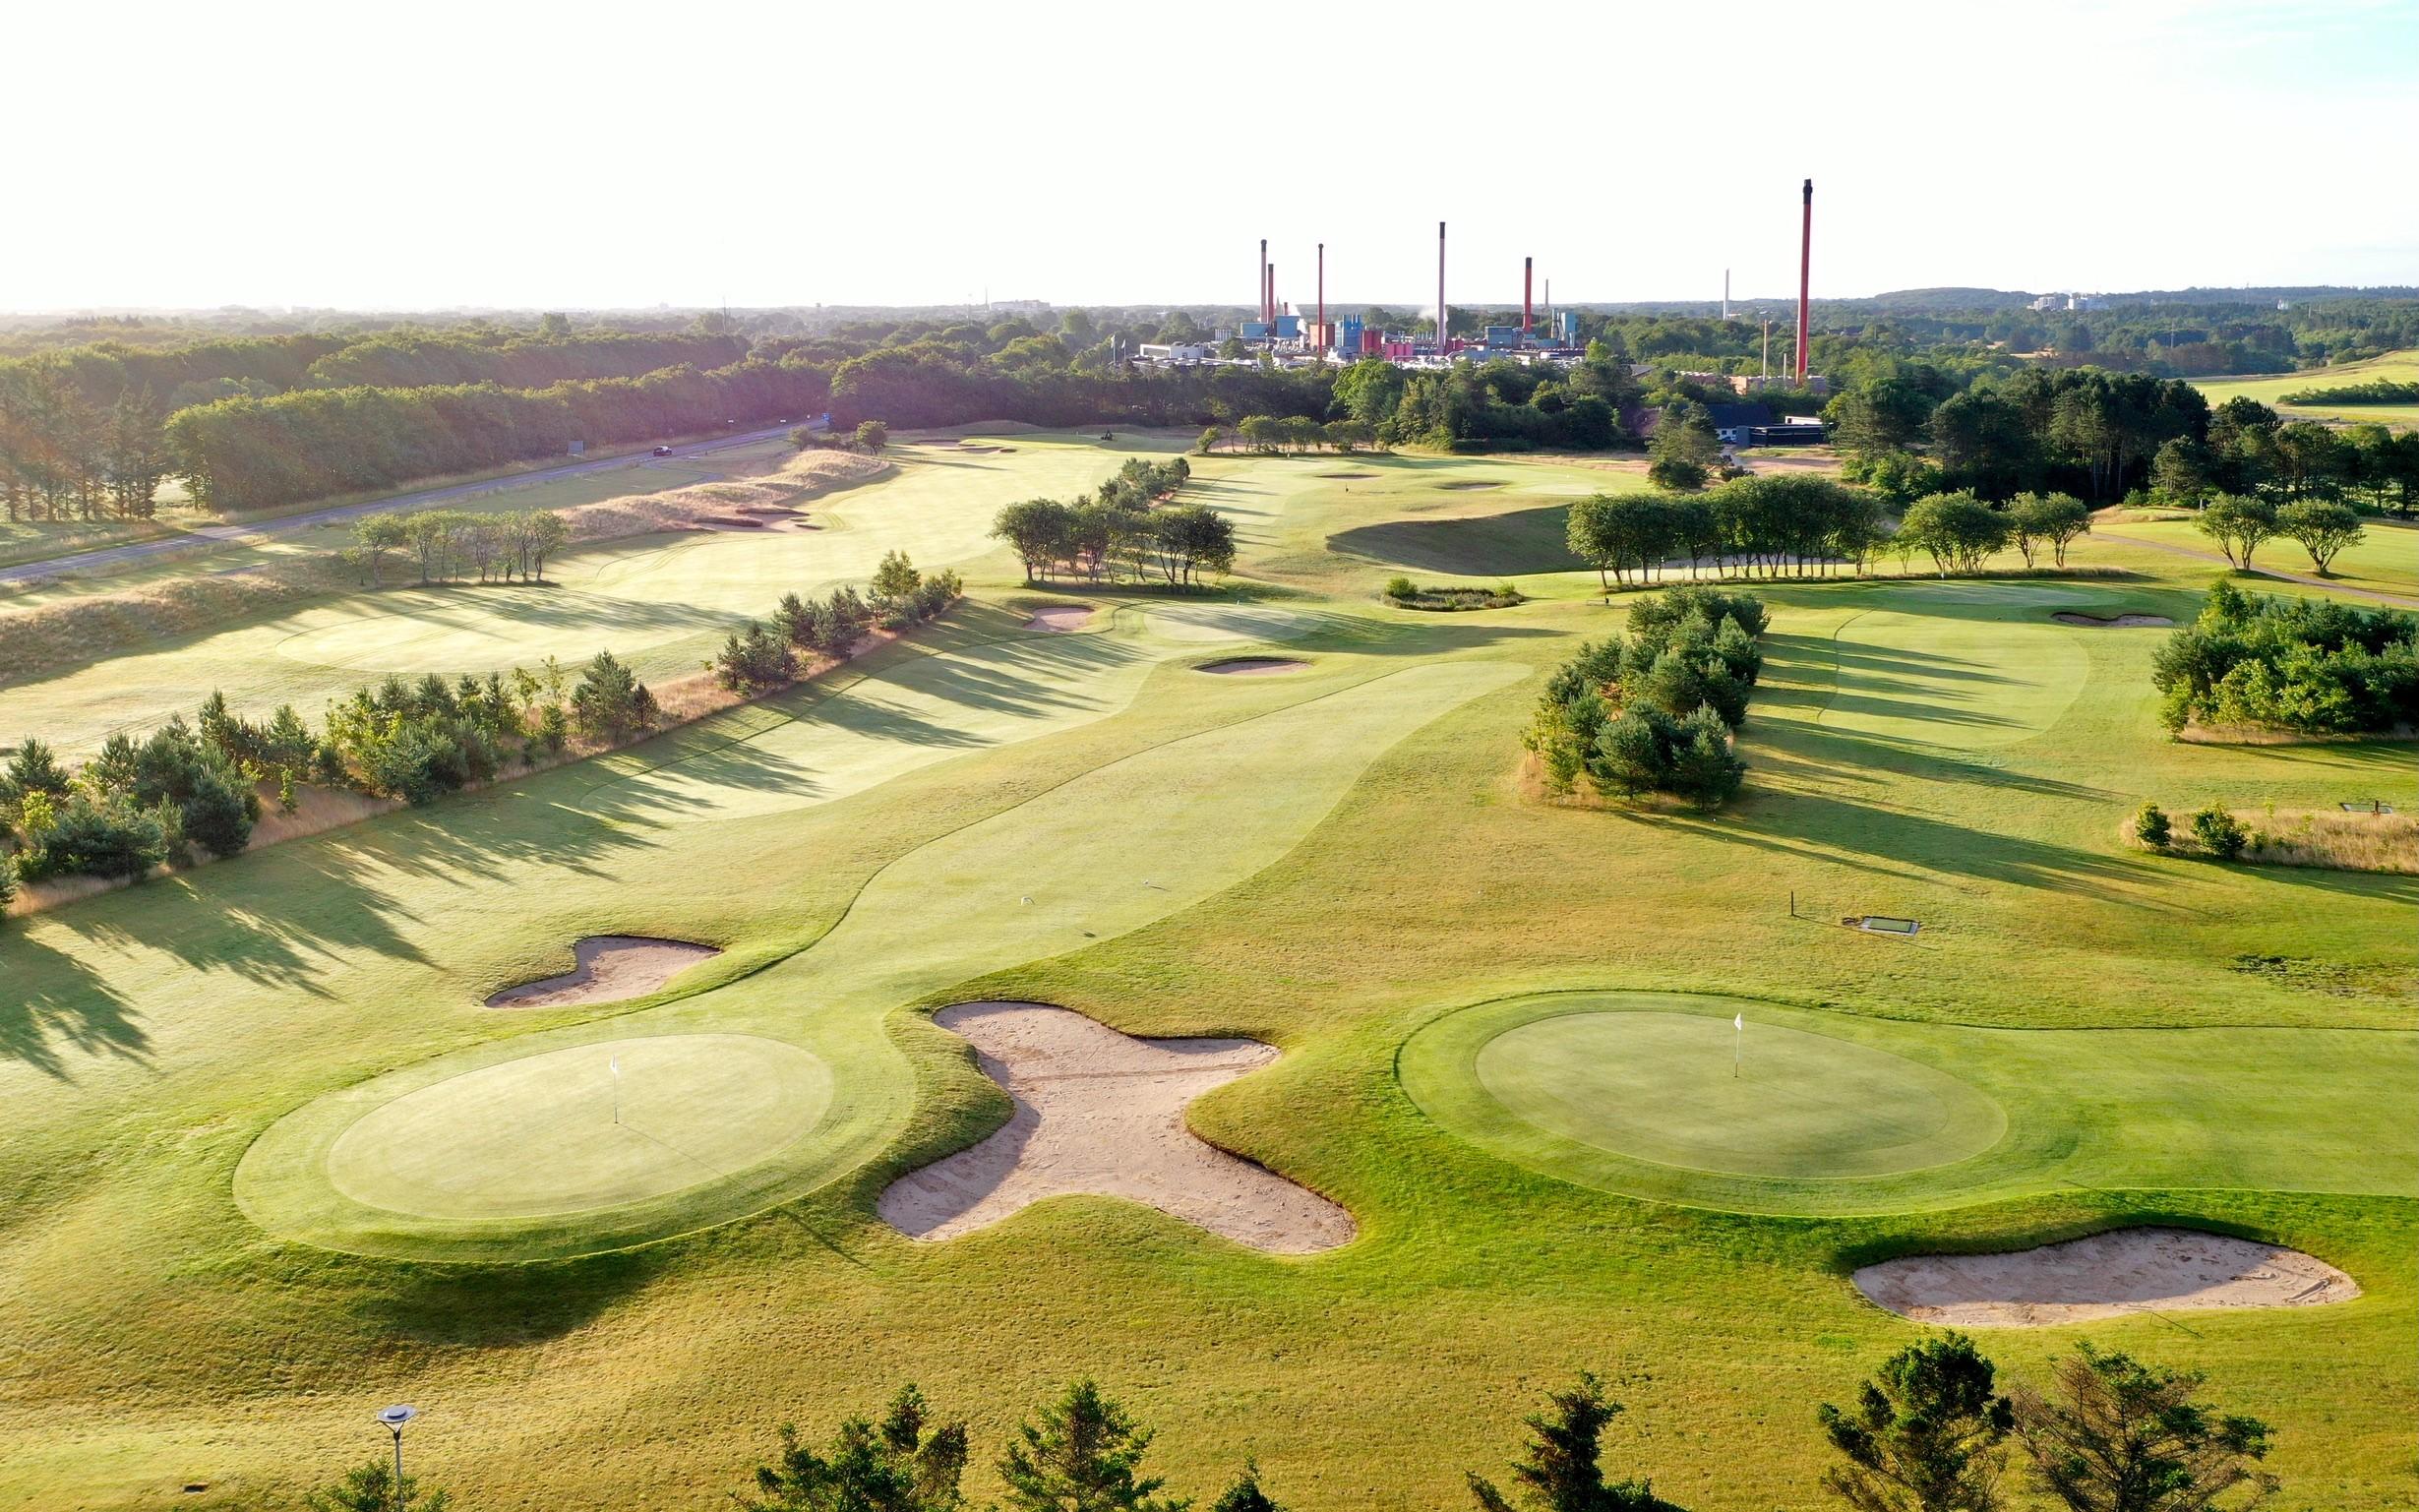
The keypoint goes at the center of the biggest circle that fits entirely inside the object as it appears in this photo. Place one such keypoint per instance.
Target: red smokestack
(1272, 301)
(1527, 281)
(1322, 299)
(1806, 279)
(1440, 288)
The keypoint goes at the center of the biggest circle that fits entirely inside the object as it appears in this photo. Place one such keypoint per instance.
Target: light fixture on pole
(393, 1417)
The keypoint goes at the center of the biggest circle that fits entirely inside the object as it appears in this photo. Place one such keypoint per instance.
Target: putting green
(1955, 681)
(1838, 1113)
(1662, 1087)
(563, 1132)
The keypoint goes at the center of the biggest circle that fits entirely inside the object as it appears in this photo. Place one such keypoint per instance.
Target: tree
(1191, 539)
(376, 535)
(1956, 530)
(2219, 833)
(754, 661)
(2323, 528)
(2180, 472)
(1924, 1435)
(534, 535)
(1595, 530)
(872, 435)
(33, 769)
(903, 1465)
(610, 700)
(372, 1488)
(1246, 1495)
(2052, 519)
(2238, 525)
(1083, 1455)
(2152, 827)
(1037, 531)
(1871, 420)
(895, 579)
(1562, 1470)
(2116, 1435)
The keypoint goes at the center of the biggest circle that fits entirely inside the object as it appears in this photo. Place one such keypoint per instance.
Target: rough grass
(2334, 839)
(660, 601)
(149, 1038)
(2271, 389)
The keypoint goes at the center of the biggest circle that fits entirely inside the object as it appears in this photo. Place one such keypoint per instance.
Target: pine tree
(1083, 1455)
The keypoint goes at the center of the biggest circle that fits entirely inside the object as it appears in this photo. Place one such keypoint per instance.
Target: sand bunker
(2107, 1275)
(1251, 666)
(612, 967)
(1059, 617)
(2112, 622)
(1102, 1112)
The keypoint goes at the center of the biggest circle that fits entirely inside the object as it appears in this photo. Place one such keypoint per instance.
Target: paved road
(2330, 584)
(112, 557)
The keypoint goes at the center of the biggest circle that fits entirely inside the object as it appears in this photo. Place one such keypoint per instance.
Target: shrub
(2219, 833)
(1400, 589)
(2152, 827)
(754, 660)
(610, 700)
(2311, 665)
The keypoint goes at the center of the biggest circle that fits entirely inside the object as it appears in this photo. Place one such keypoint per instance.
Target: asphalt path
(111, 558)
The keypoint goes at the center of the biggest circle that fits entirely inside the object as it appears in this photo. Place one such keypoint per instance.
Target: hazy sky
(580, 155)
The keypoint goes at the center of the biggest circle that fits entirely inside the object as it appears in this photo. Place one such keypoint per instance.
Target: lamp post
(394, 1417)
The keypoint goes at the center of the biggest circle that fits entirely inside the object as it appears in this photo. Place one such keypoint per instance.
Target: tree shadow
(52, 1005)
(1514, 543)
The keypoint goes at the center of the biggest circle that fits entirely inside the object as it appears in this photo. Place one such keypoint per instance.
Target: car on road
(663, 450)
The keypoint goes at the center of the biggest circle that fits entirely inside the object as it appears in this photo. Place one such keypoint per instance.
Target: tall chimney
(1322, 299)
(1263, 278)
(1725, 296)
(1806, 279)
(1527, 285)
(1440, 289)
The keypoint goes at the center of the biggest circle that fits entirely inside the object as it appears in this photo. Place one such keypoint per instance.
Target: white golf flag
(616, 1063)
(1739, 1023)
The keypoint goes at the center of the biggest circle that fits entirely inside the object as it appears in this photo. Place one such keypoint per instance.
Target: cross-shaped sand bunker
(1102, 1112)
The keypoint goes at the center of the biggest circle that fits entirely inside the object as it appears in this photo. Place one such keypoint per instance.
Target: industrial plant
(1281, 332)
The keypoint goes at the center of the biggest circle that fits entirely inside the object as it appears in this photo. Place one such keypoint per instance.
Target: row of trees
(1655, 712)
(309, 443)
(2310, 665)
(64, 456)
(1270, 435)
(1930, 1431)
(445, 544)
(1797, 523)
(194, 789)
(761, 658)
(2240, 526)
(1123, 528)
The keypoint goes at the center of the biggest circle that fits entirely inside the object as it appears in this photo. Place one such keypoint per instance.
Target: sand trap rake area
(610, 968)
(2106, 1275)
(1102, 1112)
(2112, 621)
(1059, 617)
(1251, 666)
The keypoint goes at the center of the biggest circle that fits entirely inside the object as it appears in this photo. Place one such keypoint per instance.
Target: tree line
(193, 790)
(2104, 437)
(1272, 434)
(2377, 392)
(445, 544)
(1655, 712)
(2310, 665)
(1121, 529)
(83, 432)
(250, 454)
(1931, 1430)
